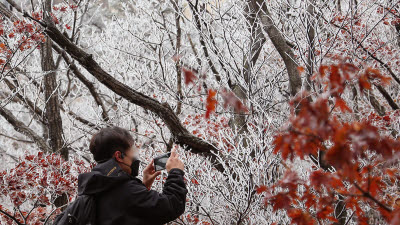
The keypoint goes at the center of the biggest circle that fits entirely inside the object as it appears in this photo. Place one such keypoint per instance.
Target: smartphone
(160, 161)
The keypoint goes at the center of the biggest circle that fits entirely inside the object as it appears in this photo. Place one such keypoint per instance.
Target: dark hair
(109, 140)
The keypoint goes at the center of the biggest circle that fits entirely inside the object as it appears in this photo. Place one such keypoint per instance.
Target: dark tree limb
(375, 103)
(311, 23)
(11, 217)
(181, 135)
(387, 96)
(203, 43)
(177, 53)
(6, 12)
(52, 109)
(15, 5)
(257, 38)
(284, 50)
(22, 128)
(84, 80)
(31, 106)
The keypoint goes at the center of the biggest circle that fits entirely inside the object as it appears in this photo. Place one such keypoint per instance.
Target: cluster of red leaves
(65, 7)
(34, 184)
(336, 77)
(25, 34)
(372, 74)
(352, 28)
(389, 11)
(382, 122)
(20, 35)
(229, 98)
(193, 219)
(363, 159)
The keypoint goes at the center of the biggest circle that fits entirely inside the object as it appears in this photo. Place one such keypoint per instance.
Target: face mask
(134, 166)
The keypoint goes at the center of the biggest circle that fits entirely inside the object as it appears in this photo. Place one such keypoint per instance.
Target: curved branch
(282, 47)
(11, 217)
(84, 80)
(20, 127)
(181, 135)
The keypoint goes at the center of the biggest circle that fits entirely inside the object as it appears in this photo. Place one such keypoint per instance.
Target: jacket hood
(102, 177)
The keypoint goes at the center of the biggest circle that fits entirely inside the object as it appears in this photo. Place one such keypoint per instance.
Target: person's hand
(174, 162)
(149, 174)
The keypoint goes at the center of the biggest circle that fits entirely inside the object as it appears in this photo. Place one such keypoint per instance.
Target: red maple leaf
(189, 76)
(261, 189)
(342, 105)
(300, 218)
(300, 69)
(279, 201)
(211, 102)
(325, 212)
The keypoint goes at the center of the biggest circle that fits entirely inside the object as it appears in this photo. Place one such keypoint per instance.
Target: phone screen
(160, 162)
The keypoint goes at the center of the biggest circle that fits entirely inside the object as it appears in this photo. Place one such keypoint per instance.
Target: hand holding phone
(174, 162)
(160, 162)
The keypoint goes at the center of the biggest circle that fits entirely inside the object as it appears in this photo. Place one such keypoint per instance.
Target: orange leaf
(339, 156)
(261, 189)
(211, 102)
(319, 178)
(300, 69)
(372, 73)
(364, 83)
(334, 77)
(323, 70)
(395, 217)
(300, 218)
(342, 105)
(194, 181)
(375, 186)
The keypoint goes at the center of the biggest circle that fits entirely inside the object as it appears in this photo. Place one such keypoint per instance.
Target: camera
(160, 161)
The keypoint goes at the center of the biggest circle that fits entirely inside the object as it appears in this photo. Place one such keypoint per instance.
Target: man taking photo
(123, 199)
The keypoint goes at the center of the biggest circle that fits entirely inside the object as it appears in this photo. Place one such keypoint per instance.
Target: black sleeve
(159, 208)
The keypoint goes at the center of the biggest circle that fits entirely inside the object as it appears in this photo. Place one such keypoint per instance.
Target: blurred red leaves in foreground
(361, 160)
(33, 185)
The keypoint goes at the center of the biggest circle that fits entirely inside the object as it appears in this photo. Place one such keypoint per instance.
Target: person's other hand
(174, 161)
(149, 174)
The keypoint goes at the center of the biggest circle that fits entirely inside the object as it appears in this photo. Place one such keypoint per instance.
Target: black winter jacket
(124, 200)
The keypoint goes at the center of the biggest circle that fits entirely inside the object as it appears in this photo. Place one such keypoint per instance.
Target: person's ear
(118, 156)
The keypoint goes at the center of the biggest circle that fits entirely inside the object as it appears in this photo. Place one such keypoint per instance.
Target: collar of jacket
(102, 177)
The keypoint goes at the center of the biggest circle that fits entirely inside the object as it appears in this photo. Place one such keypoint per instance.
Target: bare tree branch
(84, 80)
(52, 109)
(22, 128)
(282, 47)
(181, 135)
(6, 12)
